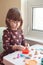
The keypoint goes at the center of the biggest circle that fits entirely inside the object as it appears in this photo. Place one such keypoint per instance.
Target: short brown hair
(13, 14)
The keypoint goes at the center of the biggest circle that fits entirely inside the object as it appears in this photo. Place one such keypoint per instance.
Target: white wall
(24, 15)
(33, 35)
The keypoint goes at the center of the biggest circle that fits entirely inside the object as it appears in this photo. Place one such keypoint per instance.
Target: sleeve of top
(6, 40)
(23, 39)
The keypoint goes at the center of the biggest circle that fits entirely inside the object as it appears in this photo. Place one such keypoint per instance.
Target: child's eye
(17, 21)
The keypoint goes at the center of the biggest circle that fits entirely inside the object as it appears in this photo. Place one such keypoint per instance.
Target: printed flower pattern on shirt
(11, 37)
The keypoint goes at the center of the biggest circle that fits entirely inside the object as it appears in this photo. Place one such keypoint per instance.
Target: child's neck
(13, 28)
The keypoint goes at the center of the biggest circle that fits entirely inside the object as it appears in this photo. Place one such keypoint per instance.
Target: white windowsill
(33, 39)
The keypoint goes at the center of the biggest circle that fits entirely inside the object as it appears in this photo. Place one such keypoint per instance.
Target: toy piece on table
(42, 61)
(25, 51)
(22, 55)
(18, 55)
(36, 53)
(30, 55)
(14, 58)
(32, 49)
(25, 56)
(24, 60)
(30, 62)
(39, 57)
(41, 52)
(27, 45)
(35, 57)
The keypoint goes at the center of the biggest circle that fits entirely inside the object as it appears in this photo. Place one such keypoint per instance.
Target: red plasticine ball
(25, 51)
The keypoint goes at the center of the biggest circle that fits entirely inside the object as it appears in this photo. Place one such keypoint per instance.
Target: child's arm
(23, 39)
(19, 47)
(6, 41)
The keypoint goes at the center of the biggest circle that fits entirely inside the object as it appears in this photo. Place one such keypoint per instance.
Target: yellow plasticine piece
(30, 62)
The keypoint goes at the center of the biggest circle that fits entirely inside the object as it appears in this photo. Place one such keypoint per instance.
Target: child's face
(14, 24)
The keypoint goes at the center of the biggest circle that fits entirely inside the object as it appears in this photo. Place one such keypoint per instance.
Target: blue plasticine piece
(27, 57)
(21, 55)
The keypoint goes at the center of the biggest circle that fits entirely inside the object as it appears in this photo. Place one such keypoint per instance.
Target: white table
(9, 59)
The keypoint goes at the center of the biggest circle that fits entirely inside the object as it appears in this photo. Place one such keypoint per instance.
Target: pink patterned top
(11, 37)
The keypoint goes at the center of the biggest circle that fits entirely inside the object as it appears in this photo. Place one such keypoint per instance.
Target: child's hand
(26, 45)
(14, 47)
(20, 47)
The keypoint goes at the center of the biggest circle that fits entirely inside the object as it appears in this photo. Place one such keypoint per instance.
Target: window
(37, 19)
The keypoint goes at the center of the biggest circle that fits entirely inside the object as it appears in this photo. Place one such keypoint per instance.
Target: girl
(13, 38)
